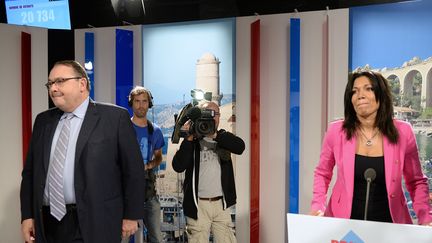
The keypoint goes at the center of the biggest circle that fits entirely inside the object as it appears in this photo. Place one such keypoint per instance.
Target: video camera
(201, 120)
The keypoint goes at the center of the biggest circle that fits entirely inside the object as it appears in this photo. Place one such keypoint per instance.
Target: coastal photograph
(180, 62)
(394, 40)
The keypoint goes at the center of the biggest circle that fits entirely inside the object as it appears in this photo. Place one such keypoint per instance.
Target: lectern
(313, 229)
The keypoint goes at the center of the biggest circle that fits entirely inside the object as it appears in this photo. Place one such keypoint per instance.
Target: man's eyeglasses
(58, 82)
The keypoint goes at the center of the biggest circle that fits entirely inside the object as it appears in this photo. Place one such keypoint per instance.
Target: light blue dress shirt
(69, 168)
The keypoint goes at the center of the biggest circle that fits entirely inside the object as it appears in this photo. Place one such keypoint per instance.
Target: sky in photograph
(387, 35)
(171, 51)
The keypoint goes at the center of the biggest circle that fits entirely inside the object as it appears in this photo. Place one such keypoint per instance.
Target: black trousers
(65, 231)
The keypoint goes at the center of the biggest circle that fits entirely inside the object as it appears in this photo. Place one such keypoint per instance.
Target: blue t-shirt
(149, 143)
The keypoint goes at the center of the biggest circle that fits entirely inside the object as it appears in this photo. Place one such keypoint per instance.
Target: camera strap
(150, 130)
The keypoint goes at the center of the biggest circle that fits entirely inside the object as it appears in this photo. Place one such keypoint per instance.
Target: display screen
(52, 14)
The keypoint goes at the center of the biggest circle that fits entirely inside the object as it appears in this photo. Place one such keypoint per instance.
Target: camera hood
(181, 117)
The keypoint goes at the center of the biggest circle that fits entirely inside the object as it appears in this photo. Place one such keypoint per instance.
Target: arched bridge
(406, 74)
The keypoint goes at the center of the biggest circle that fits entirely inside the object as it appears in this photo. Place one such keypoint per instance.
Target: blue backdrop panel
(124, 66)
(89, 60)
(294, 128)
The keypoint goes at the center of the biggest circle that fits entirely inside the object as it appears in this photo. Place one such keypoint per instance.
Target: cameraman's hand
(186, 127)
(214, 135)
(190, 138)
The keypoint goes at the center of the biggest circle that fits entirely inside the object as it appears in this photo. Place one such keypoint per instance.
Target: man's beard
(140, 114)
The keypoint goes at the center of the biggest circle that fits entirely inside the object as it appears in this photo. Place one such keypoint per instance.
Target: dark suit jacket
(109, 172)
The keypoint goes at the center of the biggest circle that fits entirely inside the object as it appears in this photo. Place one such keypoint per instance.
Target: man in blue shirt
(151, 141)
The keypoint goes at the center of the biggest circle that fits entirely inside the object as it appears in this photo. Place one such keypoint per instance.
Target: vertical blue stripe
(350, 40)
(294, 128)
(89, 60)
(124, 66)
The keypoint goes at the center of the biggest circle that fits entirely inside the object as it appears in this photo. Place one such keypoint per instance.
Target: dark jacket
(227, 143)
(109, 172)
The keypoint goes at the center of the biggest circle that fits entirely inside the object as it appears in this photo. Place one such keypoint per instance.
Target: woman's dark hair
(383, 95)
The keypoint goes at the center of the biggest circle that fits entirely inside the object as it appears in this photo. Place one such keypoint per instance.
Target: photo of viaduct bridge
(405, 76)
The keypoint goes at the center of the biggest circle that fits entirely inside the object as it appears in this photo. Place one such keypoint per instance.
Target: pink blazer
(401, 160)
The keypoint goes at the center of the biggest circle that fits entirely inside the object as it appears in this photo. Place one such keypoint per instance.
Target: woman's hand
(428, 224)
(316, 213)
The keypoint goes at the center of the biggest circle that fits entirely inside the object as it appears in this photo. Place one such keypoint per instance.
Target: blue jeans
(152, 220)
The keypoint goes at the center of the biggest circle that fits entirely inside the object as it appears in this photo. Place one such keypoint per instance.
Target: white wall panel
(10, 121)
(312, 83)
(312, 77)
(274, 107)
(338, 61)
(274, 88)
(242, 170)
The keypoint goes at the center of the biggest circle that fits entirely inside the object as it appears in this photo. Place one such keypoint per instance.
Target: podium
(313, 229)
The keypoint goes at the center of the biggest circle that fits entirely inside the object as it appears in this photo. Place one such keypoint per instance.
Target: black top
(378, 208)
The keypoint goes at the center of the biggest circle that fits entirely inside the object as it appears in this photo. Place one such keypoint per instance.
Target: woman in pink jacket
(369, 138)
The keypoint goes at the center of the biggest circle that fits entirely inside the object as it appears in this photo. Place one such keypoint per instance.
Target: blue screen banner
(39, 13)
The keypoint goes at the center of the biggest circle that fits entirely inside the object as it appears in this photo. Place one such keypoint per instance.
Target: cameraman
(209, 187)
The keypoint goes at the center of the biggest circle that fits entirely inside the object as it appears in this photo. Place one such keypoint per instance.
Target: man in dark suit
(83, 176)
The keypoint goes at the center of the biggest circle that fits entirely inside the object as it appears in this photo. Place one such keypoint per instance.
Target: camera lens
(205, 126)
